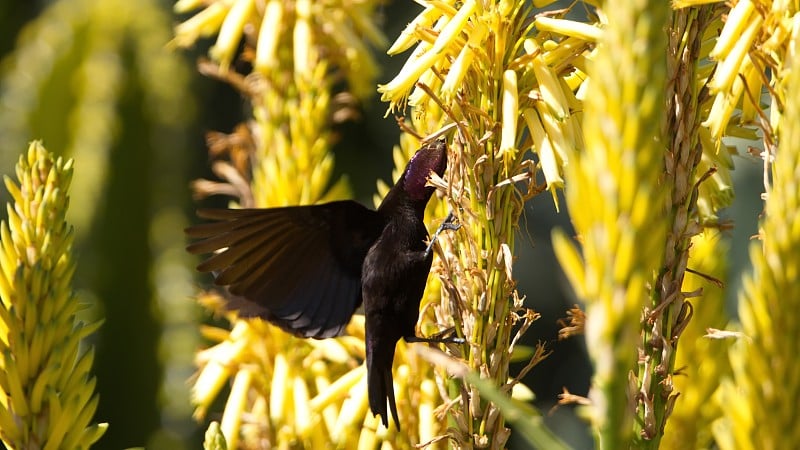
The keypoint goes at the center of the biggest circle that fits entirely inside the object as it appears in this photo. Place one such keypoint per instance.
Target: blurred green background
(96, 82)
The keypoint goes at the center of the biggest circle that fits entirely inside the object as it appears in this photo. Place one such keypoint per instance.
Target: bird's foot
(447, 224)
(444, 337)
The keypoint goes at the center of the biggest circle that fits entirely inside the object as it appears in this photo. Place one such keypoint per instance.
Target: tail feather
(380, 385)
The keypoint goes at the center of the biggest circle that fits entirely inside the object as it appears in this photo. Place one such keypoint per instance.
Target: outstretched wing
(298, 267)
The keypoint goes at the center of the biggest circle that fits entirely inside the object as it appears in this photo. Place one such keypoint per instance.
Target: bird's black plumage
(307, 268)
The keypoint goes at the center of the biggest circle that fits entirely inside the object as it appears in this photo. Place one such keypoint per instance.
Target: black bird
(307, 268)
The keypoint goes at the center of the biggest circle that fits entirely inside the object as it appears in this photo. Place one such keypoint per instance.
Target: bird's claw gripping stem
(447, 224)
(438, 338)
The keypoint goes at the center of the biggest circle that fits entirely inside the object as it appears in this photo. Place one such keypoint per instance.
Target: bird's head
(430, 158)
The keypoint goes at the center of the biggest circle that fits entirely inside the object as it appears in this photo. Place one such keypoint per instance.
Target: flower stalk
(670, 311)
(482, 69)
(47, 397)
(617, 205)
(701, 362)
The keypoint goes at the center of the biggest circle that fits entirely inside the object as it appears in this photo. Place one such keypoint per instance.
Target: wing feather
(318, 324)
(258, 256)
(298, 267)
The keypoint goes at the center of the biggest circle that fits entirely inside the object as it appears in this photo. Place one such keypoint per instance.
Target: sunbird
(307, 269)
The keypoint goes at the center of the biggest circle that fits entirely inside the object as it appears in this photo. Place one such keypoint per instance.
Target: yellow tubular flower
(231, 32)
(738, 21)
(510, 113)
(299, 25)
(268, 36)
(46, 389)
(549, 87)
(548, 157)
(423, 20)
(455, 76)
(580, 30)
(754, 38)
(396, 91)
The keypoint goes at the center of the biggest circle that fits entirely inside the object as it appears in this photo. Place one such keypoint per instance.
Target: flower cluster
(47, 397)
